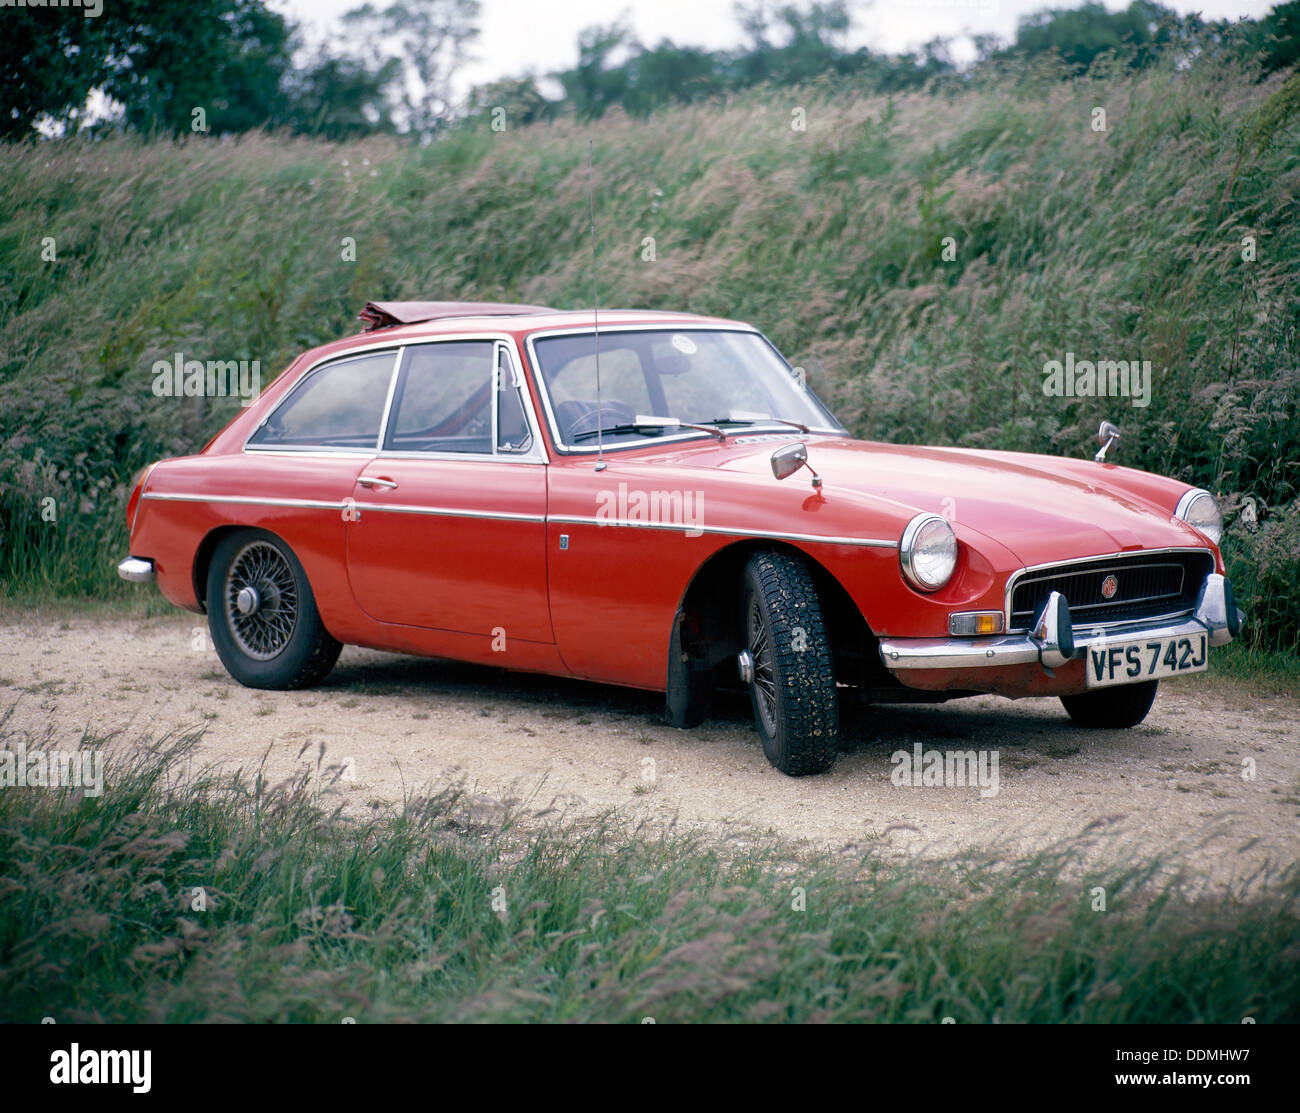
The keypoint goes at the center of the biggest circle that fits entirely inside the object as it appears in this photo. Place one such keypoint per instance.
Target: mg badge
(1109, 586)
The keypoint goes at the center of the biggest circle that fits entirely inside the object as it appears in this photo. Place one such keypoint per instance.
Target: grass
(1123, 244)
(212, 898)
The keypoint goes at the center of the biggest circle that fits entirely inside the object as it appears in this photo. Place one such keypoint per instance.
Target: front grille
(1146, 585)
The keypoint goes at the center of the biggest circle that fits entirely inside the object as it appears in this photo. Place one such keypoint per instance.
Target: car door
(449, 530)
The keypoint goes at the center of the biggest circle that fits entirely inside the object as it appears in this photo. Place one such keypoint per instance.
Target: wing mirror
(1107, 435)
(789, 459)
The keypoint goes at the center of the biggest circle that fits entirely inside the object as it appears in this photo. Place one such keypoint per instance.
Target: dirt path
(396, 721)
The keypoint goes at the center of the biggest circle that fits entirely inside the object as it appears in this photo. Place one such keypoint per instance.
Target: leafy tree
(339, 97)
(1279, 37)
(158, 61)
(1081, 35)
(429, 39)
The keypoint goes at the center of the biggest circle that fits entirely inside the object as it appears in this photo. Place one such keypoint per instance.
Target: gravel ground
(392, 724)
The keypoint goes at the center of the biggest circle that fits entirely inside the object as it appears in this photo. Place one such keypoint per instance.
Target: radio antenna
(595, 310)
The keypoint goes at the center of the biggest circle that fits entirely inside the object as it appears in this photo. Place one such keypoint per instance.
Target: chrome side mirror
(789, 459)
(1107, 435)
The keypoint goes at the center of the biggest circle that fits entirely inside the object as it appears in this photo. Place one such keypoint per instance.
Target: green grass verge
(314, 915)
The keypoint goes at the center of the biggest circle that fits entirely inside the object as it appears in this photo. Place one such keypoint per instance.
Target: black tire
(690, 682)
(792, 690)
(281, 643)
(1112, 708)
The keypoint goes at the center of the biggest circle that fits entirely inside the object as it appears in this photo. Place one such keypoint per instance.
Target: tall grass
(443, 910)
(1122, 244)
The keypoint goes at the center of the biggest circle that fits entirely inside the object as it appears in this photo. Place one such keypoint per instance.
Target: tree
(1279, 37)
(157, 61)
(1081, 35)
(429, 40)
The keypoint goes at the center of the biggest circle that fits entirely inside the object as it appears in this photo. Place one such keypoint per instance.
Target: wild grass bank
(924, 256)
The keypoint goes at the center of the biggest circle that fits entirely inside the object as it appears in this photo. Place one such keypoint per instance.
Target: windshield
(731, 380)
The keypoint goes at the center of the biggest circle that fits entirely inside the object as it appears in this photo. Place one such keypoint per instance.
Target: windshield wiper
(649, 427)
(758, 419)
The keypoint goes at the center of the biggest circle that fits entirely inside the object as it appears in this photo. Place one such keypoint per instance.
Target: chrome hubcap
(261, 600)
(247, 600)
(746, 664)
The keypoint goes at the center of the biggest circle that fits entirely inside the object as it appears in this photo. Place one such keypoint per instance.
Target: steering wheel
(584, 415)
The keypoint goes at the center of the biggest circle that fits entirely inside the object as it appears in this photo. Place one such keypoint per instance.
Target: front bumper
(135, 570)
(1054, 641)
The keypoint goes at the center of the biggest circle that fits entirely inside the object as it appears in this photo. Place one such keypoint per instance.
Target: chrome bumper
(136, 570)
(1054, 641)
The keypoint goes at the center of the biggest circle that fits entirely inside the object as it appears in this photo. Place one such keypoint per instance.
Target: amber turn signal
(973, 623)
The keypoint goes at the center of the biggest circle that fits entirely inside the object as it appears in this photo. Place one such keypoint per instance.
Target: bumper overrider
(1054, 641)
(136, 571)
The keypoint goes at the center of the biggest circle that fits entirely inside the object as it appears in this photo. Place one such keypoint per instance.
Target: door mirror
(1107, 435)
(789, 459)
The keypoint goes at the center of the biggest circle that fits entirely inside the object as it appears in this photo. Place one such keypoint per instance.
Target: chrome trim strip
(969, 653)
(247, 500)
(862, 542)
(388, 401)
(451, 512)
(658, 326)
(321, 504)
(310, 450)
(1015, 577)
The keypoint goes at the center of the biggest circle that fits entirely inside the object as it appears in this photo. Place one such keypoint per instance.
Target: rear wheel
(263, 616)
(1112, 708)
(787, 665)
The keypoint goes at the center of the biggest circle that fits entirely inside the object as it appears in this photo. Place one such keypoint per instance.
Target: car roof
(472, 317)
(536, 320)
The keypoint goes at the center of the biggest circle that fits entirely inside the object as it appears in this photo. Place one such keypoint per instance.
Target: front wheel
(1112, 708)
(787, 665)
(263, 616)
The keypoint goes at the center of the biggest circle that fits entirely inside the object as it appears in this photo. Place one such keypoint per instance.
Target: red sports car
(661, 502)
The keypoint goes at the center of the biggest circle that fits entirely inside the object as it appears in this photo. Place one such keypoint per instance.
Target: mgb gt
(662, 503)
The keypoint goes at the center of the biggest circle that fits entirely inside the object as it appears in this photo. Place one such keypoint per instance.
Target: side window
(338, 406)
(513, 434)
(444, 399)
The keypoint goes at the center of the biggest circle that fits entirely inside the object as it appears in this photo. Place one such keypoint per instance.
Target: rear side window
(338, 406)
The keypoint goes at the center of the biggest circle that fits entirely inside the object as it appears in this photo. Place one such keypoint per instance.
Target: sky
(540, 36)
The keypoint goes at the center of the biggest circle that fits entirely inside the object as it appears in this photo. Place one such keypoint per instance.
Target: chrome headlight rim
(907, 558)
(1213, 530)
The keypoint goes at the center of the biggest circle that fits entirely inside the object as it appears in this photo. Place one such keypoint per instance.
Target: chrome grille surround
(1153, 583)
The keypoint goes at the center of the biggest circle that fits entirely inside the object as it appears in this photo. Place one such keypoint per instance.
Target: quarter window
(337, 406)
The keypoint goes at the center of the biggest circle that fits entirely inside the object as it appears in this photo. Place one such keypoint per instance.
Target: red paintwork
(603, 608)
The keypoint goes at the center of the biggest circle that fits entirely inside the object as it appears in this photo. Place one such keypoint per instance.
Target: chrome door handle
(375, 481)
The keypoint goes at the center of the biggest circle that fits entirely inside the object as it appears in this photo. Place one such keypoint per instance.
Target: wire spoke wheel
(261, 600)
(788, 665)
(764, 680)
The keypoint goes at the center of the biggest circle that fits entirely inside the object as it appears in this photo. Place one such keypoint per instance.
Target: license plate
(1129, 662)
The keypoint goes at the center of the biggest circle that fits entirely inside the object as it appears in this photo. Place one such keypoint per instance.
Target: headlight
(1200, 511)
(928, 551)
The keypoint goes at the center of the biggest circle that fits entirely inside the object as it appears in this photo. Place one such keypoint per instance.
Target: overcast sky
(540, 36)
